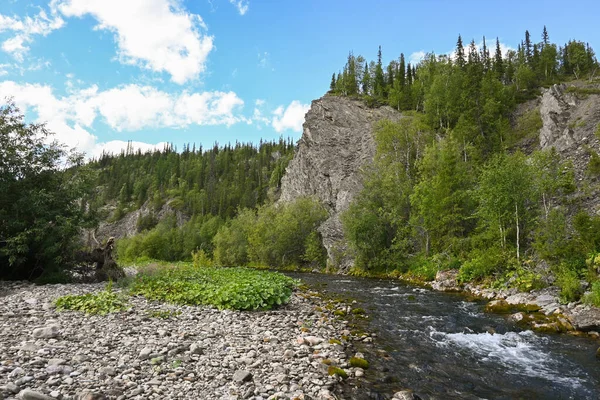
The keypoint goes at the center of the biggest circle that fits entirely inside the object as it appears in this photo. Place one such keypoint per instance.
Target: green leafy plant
(102, 303)
(224, 288)
(593, 297)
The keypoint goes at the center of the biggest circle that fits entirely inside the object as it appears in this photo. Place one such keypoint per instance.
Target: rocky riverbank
(163, 351)
(539, 309)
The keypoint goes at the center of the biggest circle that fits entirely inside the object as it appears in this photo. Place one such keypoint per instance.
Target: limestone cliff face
(336, 142)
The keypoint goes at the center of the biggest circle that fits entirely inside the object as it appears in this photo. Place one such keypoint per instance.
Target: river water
(441, 346)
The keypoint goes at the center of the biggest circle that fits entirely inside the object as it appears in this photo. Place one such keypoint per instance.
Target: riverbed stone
(28, 394)
(447, 281)
(46, 332)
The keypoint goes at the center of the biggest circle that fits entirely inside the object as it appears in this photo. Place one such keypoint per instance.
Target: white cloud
(290, 118)
(25, 28)
(154, 34)
(416, 57)
(241, 5)
(125, 108)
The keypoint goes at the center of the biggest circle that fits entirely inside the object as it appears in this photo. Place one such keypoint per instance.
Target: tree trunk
(517, 222)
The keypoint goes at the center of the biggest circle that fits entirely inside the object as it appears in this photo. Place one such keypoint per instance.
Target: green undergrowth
(104, 302)
(224, 288)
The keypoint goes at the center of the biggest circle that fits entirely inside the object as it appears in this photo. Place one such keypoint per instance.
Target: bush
(593, 297)
(224, 288)
(569, 284)
(41, 188)
(482, 263)
(231, 241)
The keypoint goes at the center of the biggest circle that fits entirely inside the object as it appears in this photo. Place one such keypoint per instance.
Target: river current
(444, 347)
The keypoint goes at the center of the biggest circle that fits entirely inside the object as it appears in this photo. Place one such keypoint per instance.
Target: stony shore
(539, 309)
(163, 351)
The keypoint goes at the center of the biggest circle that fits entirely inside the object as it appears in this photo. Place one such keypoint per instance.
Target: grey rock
(145, 353)
(59, 369)
(24, 380)
(92, 396)
(57, 361)
(80, 358)
(337, 141)
(404, 395)
(11, 387)
(585, 318)
(16, 372)
(28, 394)
(46, 332)
(242, 376)
(446, 281)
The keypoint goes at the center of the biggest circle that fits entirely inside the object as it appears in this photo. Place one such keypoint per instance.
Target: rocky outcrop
(127, 226)
(336, 142)
(570, 117)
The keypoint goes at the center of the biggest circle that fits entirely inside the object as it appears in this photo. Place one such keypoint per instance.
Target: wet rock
(498, 306)
(446, 281)
(404, 395)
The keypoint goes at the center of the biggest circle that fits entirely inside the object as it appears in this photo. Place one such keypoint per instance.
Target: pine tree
(366, 81)
(528, 47)
(545, 37)
(379, 84)
(460, 52)
(498, 62)
(331, 85)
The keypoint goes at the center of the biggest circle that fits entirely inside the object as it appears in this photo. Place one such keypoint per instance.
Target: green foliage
(528, 125)
(315, 252)
(519, 277)
(482, 263)
(169, 242)
(279, 235)
(231, 240)
(104, 302)
(593, 297)
(224, 288)
(43, 204)
(201, 260)
(593, 167)
(568, 281)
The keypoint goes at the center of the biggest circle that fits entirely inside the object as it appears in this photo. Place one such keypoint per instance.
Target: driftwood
(98, 265)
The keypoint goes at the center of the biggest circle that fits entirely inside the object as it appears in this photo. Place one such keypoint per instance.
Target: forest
(456, 184)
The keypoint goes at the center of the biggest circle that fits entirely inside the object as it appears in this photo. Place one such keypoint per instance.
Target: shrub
(482, 263)
(593, 297)
(568, 281)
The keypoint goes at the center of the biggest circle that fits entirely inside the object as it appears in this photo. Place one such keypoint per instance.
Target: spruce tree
(460, 52)
(498, 63)
(331, 85)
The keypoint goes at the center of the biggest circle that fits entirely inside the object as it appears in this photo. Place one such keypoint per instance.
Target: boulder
(447, 281)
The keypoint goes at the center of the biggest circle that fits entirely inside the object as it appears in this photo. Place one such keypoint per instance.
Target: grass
(224, 288)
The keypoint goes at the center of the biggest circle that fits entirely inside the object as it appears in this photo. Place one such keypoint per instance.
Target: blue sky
(104, 72)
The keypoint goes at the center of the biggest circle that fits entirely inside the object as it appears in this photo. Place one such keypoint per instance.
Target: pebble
(198, 353)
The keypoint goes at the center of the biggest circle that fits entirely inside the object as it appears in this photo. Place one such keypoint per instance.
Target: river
(445, 347)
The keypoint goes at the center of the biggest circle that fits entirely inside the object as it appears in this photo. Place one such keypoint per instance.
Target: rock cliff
(337, 141)
(570, 118)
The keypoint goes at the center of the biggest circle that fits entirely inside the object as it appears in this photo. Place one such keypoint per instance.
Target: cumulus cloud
(416, 57)
(124, 108)
(241, 5)
(24, 29)
(153, 34)
(290, 117)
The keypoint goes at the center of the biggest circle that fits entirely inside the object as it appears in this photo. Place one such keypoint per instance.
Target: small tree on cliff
(40, 211)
